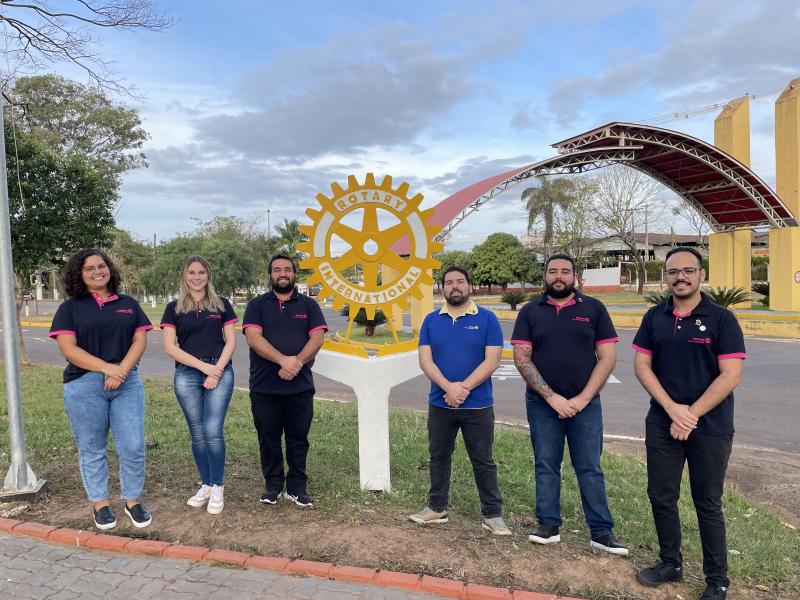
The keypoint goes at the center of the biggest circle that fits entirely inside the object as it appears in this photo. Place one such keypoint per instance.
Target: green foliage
(494, 259)
(654, 269)
(541, 202)
(513, 298)
(728, 297)
(657, 299)
(361, 317)
(525, 267)
(456, 258)
(71, 119)
(65, 204)
(131, 256)
(761, 287)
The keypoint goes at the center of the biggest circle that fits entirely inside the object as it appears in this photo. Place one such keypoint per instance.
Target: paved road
(767, 407)
(33, 569)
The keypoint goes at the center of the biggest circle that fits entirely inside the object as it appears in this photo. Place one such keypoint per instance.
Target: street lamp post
(20, 482)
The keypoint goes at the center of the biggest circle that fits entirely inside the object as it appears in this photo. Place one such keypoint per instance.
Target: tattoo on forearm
(529, 372)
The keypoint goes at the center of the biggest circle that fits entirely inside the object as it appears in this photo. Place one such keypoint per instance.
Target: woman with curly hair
(103, 333)
(199, 335)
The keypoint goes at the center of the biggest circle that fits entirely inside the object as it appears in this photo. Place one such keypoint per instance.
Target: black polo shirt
(564, 339)
(287, 326)
(199, 332)
(686, 351)
(104, 328)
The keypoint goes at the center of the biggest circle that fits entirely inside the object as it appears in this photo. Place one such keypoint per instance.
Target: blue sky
(260, 105)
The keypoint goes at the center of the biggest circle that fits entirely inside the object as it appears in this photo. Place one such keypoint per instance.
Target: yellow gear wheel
(370, 246)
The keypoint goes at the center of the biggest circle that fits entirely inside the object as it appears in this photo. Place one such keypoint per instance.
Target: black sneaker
(138, 515)
(714, 592)
(104, 518)
(545, 534)
(658, 574)
(270, 497)
(302, 499)
(608, 543)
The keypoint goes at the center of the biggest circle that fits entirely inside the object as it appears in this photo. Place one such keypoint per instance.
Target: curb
(448, 588)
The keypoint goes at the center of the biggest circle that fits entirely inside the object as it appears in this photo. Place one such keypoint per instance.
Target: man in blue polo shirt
(284, 330)
(564, 348)
(689, 354)
(459, 349)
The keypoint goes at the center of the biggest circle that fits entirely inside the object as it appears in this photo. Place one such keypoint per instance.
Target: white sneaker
(216, 502)
(201, 497)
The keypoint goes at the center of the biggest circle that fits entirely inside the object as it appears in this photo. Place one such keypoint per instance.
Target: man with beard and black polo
(564, 348)
(284, 330)
(459, 349)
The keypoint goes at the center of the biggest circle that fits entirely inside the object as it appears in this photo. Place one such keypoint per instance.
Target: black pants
(290, 415)
(477, 428)
(707, 456)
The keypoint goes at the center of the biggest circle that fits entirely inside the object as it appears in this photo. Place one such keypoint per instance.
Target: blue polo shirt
(458, 346)
(686, 351)
(564, 339)
(200, 332)
(103, 327)
(287, 325)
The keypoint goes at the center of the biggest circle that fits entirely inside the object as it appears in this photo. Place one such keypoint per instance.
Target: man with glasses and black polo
(689, 354)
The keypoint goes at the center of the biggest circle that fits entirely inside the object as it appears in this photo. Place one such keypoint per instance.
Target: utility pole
(269, 229)
(21, 482)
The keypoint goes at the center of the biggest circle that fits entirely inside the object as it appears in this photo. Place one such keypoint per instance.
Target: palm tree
(540, 202)
(290, 235)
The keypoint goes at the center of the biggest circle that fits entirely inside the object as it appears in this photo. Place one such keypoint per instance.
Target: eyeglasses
(92, 268)
(687, 271)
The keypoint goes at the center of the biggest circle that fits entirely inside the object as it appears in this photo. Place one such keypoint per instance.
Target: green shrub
(727, 297)
(657, 298)
(761, 287)
(513, 298)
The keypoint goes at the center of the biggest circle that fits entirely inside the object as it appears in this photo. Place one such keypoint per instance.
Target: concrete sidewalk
(34, 569)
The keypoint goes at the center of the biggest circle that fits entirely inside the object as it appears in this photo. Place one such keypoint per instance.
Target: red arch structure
(726, 192)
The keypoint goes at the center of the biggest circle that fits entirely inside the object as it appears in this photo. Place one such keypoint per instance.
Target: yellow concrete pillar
(729, 260)
(390, 274)
(421, 308)
(787, 148)
(732, 130)
(784, 269)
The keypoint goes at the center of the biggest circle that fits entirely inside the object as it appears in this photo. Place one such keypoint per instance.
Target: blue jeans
(205, 412)
(584, 434)
(91, 411)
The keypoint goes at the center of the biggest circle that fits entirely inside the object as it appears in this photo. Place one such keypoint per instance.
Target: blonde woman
(199, 334)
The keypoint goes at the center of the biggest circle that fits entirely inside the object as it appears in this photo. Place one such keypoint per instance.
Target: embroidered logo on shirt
(471, 327)
(584, 319)
(214, 317)
(699, 340)
(124, 310)
(300, 316)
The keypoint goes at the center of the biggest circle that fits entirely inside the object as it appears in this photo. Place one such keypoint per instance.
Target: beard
(459, 299)
(569, 288)
(283, 287)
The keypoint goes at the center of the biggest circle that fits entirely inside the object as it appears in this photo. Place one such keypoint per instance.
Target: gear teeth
(427, 214)
(307, 229)
(304, 247)
(313, 214)
(352, 182)
(413, 203)
(386, 184)
(369, 182)
(336, 189)
(403, 189)
(338, 302)
(324, 200)
(425, 278)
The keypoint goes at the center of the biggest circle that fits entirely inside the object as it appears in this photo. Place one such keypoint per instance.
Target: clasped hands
(684, 421)
(115, 376)
(290, 367)
(567, 408)
(455, 393)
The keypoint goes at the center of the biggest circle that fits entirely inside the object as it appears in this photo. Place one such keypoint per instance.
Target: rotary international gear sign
(388, 278)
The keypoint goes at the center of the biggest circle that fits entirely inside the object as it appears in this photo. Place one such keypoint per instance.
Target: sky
(260, 105)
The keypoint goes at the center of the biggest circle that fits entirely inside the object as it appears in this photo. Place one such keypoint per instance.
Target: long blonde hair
(210, 302)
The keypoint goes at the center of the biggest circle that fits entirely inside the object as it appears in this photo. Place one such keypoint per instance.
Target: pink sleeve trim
(522, 343)
(143, 328)
(606, 341)
(167, 325)
(234, 320)
(642, 350)
(53, 334)
(317, 328)
(246, 325)
(741, 355)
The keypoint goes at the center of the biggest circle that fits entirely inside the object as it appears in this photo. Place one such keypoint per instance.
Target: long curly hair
(74, 287)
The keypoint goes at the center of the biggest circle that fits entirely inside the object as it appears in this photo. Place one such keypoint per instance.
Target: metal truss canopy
(724, 191)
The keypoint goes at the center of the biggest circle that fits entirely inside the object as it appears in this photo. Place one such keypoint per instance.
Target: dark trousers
(707, 456)
(477, 428)
(290, 415)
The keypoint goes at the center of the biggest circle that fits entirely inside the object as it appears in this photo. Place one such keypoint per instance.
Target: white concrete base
(371, 379)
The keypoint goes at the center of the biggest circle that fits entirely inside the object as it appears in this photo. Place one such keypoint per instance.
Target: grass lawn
(763, 551)
(382, 335)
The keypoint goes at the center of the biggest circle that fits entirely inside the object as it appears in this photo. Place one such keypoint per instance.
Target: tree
(525, 266)
(541, 202)
(131, 256)
(695, 220)
(454, 258)
(70, 118)
(56, 207)
(163, 275)
(35, 33)
(494, 260)
(289, 235)
(622, 198)
(571, 222)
